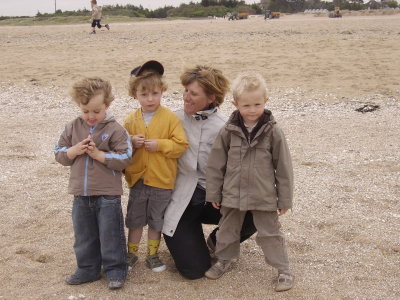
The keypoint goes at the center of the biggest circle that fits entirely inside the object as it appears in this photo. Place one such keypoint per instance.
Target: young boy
(96, 17)
(158, 139)
(250, 169)
(97, 148)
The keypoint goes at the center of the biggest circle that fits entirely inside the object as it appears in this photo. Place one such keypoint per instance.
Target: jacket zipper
(85, 180)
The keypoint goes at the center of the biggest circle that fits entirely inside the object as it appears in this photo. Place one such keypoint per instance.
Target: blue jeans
(99, 237)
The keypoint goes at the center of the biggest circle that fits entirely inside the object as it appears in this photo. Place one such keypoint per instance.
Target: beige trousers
(269, 237)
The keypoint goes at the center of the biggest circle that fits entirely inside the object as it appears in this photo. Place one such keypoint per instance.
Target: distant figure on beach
(250, 169)
(97, 149)
(96, 17)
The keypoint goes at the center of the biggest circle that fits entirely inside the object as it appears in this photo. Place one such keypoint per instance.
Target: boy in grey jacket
(250, 169)
(97, 149)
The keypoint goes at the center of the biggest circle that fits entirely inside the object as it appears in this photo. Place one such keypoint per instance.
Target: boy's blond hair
(85, 89)
(246, 82)
(211, 80)
(148, 81)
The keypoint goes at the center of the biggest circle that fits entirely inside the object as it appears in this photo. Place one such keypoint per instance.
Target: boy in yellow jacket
(158, 139)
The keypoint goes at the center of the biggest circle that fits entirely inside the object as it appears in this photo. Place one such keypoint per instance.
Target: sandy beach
(342, 234)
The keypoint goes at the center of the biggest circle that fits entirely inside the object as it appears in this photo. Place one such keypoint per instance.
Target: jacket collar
(236, 124)
(204, 114)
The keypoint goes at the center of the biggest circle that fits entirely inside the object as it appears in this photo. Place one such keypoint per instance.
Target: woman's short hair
(246, 82)
(147, 80)
(211, 80)
(84, 90)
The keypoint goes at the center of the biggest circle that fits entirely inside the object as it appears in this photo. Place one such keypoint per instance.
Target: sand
(342, 234)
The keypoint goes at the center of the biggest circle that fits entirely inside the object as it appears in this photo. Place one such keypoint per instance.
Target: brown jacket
(250, 172)
(89, 177)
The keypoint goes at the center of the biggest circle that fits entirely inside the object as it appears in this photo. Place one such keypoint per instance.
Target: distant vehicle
(232, 16)
(271, 14)
(336, 13)
(243, 15)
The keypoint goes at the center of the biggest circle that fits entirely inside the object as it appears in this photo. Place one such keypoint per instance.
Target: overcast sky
(31, 7)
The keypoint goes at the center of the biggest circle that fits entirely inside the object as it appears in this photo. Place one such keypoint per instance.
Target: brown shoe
(107, 26)
(284, 283)
(218, 269)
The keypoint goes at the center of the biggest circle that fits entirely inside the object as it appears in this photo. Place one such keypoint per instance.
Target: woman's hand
(151, 145)
(137, 141)
(216, 205)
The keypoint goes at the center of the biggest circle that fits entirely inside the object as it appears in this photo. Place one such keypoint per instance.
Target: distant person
(250, 169)
(96, 17)
(159, 140)
(97, 149)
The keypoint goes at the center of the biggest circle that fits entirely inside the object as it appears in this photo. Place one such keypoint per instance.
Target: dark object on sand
(367, 108)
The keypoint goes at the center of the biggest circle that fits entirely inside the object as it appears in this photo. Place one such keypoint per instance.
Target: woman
(205, 89)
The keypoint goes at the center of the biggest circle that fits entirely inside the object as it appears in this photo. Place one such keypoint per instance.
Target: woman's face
(195, 99)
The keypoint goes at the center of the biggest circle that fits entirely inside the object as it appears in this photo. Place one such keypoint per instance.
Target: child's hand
(138, 141)
(151, 145)
(216, 205)
(95, 153)
(282, 211)
(78, 149)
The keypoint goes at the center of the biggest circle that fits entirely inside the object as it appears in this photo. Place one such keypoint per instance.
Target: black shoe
(76, 280)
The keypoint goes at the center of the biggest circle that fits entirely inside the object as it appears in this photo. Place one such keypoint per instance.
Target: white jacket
(192, 165)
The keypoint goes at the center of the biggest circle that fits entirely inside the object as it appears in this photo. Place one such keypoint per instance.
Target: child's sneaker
(154, 263)
(131, 260)
(115, 284)
(284, 283)
(76, 280)
(107, 26)
(218, 269)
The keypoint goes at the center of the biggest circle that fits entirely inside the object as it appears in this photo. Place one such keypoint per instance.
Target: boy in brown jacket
(97, 149)
(250, 169)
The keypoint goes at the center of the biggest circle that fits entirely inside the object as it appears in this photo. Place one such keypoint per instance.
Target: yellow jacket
(158, 169)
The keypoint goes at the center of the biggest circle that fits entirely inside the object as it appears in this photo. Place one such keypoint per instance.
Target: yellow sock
(152, 246)
(133, 248)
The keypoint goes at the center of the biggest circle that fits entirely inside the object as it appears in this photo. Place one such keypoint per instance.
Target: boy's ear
(234, 103)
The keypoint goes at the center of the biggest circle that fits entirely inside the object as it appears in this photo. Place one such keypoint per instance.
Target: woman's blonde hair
(211, 80)
(148, 80)
(246, 82)
(85, 89)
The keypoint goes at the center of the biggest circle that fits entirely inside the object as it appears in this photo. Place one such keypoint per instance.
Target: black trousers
(188, 247)
(96, 23)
